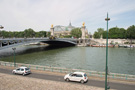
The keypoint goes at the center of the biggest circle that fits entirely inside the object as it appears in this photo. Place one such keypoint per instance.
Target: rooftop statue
(83, 24)
(52, 26)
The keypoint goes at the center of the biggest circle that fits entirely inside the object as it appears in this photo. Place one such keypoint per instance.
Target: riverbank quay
(125, 43)
(113, 41)
(16, 82)
(56, 78)
(62, 71)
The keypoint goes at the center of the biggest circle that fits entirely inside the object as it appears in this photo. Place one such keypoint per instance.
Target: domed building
(63, 30)
(60, 30)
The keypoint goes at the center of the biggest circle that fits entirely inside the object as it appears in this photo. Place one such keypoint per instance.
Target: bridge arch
(12, 42)
(59, 42)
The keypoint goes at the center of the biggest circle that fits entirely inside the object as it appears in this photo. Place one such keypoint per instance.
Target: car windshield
(70, 74)
(27, 69)
(18, 69)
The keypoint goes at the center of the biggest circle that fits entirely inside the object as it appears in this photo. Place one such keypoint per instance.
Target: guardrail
(66, 70)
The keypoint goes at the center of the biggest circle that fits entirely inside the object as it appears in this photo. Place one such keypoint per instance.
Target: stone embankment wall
(115, 41)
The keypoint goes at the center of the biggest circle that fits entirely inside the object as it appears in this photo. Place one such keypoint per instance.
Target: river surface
(120, 60)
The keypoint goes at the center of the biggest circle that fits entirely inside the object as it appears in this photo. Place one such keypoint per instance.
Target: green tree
(113, 33)
(96, 34)
(48, 34)
(4, 34)
(123, 33)
(104, 34)
(76, 32)
(116, 32)
(11, 35)
(131, 32)
(100, 31)
(42, 33)
(29, 32)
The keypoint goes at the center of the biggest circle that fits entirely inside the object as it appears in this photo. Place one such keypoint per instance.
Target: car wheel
(82, 81)
(23, 74)
(67, 79)
(14, 72)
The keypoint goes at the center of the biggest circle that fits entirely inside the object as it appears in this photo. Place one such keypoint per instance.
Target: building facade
(65, 30)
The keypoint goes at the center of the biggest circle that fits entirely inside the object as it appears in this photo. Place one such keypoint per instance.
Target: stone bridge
(12, 42)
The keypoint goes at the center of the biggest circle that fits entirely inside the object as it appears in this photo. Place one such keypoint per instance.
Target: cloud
(40, 14)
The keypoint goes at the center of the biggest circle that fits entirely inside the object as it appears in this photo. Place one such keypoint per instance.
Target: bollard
(36, 67)
(70, 71)
(101, 75)
(60, 70)
(113, 75)
(10, 64)
(44, 68)
(89, 73)
(126, 77)
(5, 64)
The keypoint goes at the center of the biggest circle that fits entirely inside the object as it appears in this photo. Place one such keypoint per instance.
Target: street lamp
(14, 57)
(106, 86)
(1, 27)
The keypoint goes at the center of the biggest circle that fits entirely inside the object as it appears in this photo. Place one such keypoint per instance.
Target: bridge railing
(67, 70)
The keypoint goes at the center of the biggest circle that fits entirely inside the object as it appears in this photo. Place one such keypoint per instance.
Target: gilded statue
(83, 24)
(52, 26)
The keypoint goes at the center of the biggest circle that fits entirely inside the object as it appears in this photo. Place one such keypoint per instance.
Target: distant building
(64, 30)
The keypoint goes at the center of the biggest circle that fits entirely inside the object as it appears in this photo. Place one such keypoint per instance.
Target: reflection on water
(120, 60)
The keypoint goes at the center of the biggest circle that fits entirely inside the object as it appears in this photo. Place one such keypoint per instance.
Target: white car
(76, 76)
(22, 70)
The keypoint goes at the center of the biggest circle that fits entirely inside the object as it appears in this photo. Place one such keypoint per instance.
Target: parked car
(22, 70)
(76, 76)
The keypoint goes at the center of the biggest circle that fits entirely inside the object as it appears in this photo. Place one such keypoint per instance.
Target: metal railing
(66, 70)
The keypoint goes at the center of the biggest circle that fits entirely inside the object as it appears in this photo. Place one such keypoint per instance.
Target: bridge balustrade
(11, 42)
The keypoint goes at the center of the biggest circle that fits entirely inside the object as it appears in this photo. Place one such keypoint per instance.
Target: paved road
(96, 83)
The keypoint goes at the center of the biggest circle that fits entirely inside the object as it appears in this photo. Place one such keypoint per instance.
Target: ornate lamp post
(14, 57)
(106, 87)
(1, 27)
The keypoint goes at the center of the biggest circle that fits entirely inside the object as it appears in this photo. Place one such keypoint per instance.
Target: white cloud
(40, 14)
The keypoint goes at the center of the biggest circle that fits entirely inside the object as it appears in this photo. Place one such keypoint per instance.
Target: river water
(120, 60)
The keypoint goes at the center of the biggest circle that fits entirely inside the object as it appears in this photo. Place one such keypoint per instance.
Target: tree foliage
(131, 32)
(29, 33)
(98, 33)
(48, 34)
(76, 32)
(115, 33)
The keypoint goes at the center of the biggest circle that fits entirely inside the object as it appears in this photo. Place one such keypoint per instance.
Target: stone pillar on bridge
(52, 30)
(83, 33)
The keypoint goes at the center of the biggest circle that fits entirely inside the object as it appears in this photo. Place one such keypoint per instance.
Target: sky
(18, 15)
